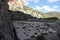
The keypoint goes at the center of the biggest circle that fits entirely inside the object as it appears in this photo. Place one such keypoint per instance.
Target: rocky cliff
(15, 3)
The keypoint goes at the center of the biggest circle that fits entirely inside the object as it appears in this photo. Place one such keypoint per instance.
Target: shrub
(52, 18)
(40, 37)
(58, 35)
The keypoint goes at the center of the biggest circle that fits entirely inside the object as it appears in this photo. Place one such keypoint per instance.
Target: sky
(43, 5)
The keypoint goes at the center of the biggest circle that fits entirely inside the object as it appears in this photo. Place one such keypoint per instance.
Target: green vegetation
(52, 18)
(52, 14)
(40, 37)
(58, 35)
(33, 12)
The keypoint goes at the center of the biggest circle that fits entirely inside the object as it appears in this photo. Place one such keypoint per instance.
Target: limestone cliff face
(14, 3)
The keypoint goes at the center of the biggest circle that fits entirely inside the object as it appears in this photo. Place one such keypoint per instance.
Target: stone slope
(26, 29)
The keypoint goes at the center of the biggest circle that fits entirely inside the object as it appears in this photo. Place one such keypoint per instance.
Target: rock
(6, 26)
(15, 3)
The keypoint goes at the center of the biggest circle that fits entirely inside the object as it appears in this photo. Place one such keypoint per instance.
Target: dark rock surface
(7, 31)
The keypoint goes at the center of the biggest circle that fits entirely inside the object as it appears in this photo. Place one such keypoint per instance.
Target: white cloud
(55, 7)
(29, 0)
(38, 8)
(36, 1)
(26, 2)
(47, 8)
(51, 1)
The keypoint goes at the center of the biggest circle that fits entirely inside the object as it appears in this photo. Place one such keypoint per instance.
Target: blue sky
(43, 5)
